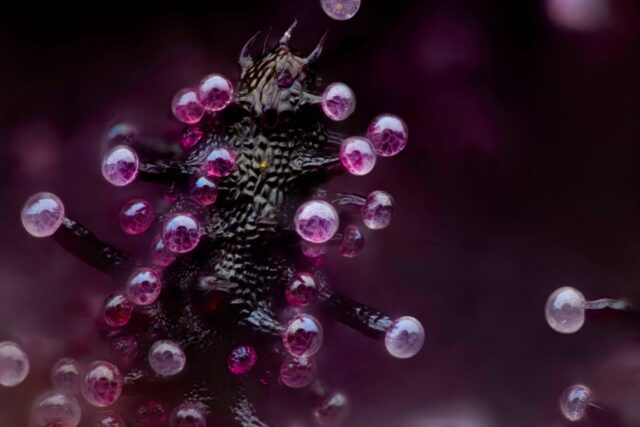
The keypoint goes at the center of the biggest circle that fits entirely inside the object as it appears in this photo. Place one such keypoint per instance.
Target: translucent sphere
(160, 254)
(66, 376)
(333, 410)
(388, 134)
(340, 10)
(124, 348)
(102, 384)
(298, 372)
(191, 136)
(42, 214)
(186, 107)
(564, 310)
(302, 290)
(120, 165)
(151, 414)
(136, 216)
(220, 162)
(14, 364)
(338, 101)
(122, 133)
(181, 233)
(188, 415)
(316, 221)
(110, 419)
(215, 92)
(377, 212)
(204, 191)
(574, 402)
(242, 359)
(144, 286)
(303, 336)
(54, 408)
(404, 338)
(352, 242)
(117, 310)
(166, 358)
(357, 155)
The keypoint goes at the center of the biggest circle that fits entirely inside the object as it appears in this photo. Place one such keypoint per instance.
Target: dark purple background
(520, 176)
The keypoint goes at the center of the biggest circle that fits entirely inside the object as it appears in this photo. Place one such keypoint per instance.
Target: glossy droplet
(42, 214)
(117, 310)
(55, 409)
(338, 101)
(102, 384)
(151, 414)
(181, 233)
(191, 136)
(215, 92)
(316, 221)
(301, 290)
(166, 358)
(303, 336)
(204, 191)
(120, 165)
(186, 107)
(352, 242)
(333, 410)
(161, 255)
(136, 216)
(188, 415)
(220, 162)
(242, 359)
(574, 402)
(298, 372)
(144, 286)
(124, 348)
(388, 134)
(66, 376)
(377, 212)
(14, 364)
(110, 419)
(404, 338)
(340, 10)
(357, 155)
(564, 310)
(122, 134)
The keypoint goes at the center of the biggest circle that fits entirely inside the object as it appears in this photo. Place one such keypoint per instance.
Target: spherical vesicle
(204, 191)
(122, 133)
(136, 216)
(298, 372)
(117, 310)
(564, 310)
(340, 10)
(191, 136)
(357, 155)
(301, 290)
(404, 338)
(160, 254)
(109, 419)
(166, 358)
(333, 410)
(144, 286)
(215, 92)
(316, 221)
(55, 409)
(181, 233)
(102, 384)
(188, 415)
(186, 107)
(303, 336)
(42, 214)
(574, 402)
(14, 364)
(352, 242)
(66, 376)
(120, 165)
(377, 211)
(151, 414)
(220, 162)
(242, 359)
(338, 101)
(388, 134)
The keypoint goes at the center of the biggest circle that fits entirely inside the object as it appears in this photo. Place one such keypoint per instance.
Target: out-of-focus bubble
(579, 15)
(14, 364)
(55, 408)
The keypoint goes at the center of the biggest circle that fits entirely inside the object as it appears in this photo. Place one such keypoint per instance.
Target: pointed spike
(287, 35)
(313, 56)
(246, 59)
(265, 46)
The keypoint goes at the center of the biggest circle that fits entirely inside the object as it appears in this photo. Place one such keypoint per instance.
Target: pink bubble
(188, 415)
(316, 221)
(110, 419)
(120, 165)
(102, 384)
(404, 338)
(204, 191)
(333, 410)
(161, 255)
(303, 336)
(220, 162)
(191, 136)
(66, 376)
(166, 358)
(340, 10)
(54, 408)
(298, 372)
(144, 286)
(352, 242)
(136, 216)
(42, 214)
(181, 233)
(215, 92)
(389, 134)
(357, 155)
(186, 107)
(117, 310)
(338, 101)
(242, 359)
(301, 290)
(14, 364)
(377, 212)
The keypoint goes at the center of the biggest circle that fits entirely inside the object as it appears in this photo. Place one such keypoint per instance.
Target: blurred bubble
(579, 15)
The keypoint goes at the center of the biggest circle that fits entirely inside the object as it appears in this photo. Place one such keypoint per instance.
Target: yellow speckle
(263, 165)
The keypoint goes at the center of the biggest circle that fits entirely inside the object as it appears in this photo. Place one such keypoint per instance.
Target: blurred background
(521, 175)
